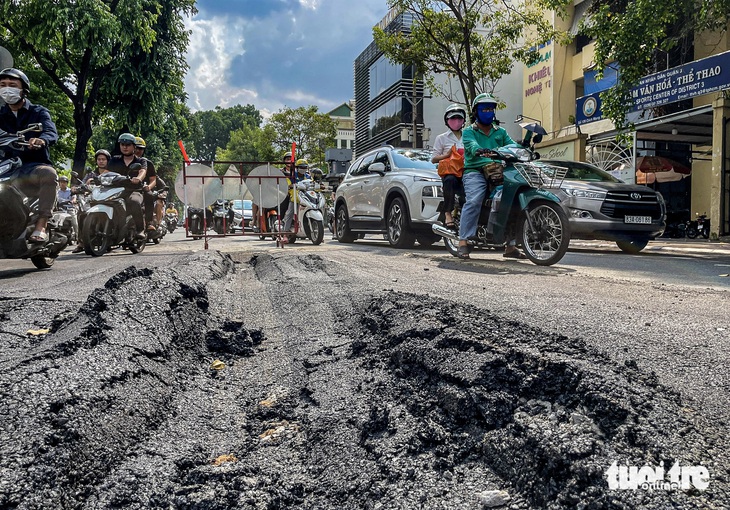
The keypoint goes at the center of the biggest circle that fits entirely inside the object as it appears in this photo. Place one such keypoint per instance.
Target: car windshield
(578, 171)
(242, 204)
(413, 158)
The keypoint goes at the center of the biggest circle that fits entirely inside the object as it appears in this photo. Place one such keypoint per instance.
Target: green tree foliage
(212, 129)
(250, 143)
(124, 57)
(310, 130)
(475, 41)
(628, 34)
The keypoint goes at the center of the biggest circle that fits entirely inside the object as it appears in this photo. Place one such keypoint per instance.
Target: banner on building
(703, 76)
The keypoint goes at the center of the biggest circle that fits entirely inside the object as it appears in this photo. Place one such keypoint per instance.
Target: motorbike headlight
(584, 193)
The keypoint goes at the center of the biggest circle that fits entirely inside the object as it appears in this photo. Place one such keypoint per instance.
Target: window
(362, 168)
(382, 157)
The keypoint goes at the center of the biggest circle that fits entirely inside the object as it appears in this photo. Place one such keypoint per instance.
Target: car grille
(619, 204)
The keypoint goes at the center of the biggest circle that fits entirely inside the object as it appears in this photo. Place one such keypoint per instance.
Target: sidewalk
(663, 244)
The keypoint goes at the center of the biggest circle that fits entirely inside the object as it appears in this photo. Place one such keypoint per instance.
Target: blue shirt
(30, 114)
(474, 139)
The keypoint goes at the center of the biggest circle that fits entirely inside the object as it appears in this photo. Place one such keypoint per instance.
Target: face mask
(485, 117)
(455, 123)
(11, 95)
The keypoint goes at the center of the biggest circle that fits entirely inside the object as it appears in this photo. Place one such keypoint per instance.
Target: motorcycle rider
(36, 177)
(120, 164)
(454, 118)
(102, 158)
(150, 199)
(481, 134)
(302, 172)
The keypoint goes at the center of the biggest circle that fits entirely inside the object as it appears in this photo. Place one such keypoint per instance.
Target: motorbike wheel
(398, 234)
(632, 246)
(96, 235)
(691, 232)
(156, 240)
(316, 231)
(42, 262)
(137, 246)
(451, 246)
(342, 226)
(547, 244)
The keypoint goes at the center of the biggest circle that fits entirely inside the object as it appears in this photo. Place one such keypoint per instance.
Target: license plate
(637, 219)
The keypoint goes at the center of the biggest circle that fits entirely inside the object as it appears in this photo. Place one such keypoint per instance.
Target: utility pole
(415, 101)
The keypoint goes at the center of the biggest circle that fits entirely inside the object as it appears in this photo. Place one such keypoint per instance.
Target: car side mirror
(377, 168)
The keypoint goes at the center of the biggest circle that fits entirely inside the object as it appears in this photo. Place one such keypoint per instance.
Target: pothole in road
(411, 403)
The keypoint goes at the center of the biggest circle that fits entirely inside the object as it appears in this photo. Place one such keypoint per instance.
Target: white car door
(376, 186)
(352, 187)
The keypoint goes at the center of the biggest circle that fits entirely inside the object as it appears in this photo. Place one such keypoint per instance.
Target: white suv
(390, 191)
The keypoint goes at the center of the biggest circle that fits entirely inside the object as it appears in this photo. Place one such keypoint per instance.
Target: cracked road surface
(299, 379)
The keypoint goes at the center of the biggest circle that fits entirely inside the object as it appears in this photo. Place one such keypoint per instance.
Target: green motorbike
(522, 203)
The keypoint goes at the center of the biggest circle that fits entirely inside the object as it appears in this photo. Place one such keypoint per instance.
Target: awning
(692, 126)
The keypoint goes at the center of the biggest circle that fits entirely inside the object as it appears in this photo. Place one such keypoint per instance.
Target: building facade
(680, 112)
(394, 109)
(344, 117)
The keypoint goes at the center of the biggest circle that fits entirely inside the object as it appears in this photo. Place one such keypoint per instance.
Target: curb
(717, 249)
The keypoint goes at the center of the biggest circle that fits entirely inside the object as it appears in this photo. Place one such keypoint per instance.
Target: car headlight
(426, 179)
(432, 191)
(584, 193)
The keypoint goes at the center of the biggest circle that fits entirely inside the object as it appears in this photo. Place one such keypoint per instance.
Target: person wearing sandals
(482, 134)
(37, 177)
(454, 118)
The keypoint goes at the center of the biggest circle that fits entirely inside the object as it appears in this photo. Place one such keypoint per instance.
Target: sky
(277, 53)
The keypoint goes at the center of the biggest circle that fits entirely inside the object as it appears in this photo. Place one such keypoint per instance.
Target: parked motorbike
(196, 222)
(108, 223)
(523, 207)
(268, 222)
(222, 214)
(309, 219)
(19, 214)
(700, 226)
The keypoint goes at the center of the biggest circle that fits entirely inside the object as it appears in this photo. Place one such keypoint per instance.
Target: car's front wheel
(342, 226)
(397, 221)
(632, 246)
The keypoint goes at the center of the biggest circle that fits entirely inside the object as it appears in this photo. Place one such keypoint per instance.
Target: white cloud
(290, 56)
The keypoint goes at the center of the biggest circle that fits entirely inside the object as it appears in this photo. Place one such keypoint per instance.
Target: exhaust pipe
(445, 232)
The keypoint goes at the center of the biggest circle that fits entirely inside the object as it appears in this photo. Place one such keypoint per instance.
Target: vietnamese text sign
(686, 81)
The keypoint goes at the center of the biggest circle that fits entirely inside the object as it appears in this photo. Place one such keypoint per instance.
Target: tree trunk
(82, 123)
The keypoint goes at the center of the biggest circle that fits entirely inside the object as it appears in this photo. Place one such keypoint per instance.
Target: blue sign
(684, 82)
(690, 80)
(588, 109)
(591, 83)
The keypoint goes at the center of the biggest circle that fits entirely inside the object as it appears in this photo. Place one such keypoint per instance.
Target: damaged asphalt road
(283, 381)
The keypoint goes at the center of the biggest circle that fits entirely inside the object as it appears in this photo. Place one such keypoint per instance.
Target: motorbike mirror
(74, 174)
(537, 138)
(135, 166)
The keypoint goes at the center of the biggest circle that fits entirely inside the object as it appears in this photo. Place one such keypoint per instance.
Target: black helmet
(11, 72)
(128, 138)
(103, 152)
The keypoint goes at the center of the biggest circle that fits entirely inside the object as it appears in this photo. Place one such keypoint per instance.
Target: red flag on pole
(185, 154)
